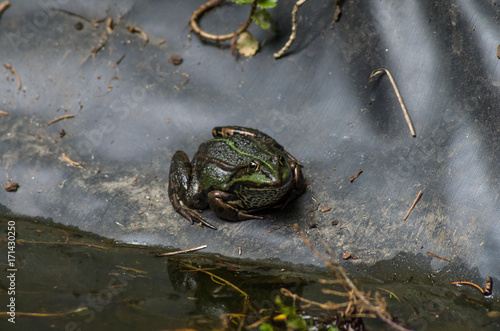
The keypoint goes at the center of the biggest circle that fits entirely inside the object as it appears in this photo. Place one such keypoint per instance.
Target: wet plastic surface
(132, 116)
(87, 282)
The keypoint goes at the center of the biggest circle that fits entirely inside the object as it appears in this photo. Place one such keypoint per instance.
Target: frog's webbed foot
(182, 192)
(192, 215)
(243, 216)
(228, 207)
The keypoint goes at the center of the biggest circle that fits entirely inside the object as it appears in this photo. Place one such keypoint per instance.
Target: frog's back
(230, 151)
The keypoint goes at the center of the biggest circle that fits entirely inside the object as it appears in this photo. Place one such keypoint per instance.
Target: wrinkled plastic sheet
(133, 109)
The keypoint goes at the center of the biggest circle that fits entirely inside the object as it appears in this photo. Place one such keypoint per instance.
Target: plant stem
(203, 34)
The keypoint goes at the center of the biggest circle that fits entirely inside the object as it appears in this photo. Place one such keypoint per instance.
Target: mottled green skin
(272, 178)
(239, 171)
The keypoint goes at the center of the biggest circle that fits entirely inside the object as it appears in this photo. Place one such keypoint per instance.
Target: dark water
(77, 281)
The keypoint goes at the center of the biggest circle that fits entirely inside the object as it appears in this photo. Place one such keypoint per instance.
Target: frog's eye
(253, 166)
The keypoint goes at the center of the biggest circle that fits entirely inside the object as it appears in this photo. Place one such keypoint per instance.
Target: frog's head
(263, 180)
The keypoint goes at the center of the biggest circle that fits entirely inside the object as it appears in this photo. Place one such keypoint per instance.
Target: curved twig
(294, 30)
(488, 286)
(14, 72)
(400, 99)
(60, 118)
(3, 7)
(221, 37)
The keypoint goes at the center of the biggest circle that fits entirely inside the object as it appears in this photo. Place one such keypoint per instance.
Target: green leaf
(294, 321)
(266, 4)
(262, 18)
(266, 327)
(242, 2)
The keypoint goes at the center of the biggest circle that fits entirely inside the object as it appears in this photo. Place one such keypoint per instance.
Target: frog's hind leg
(225, 131)
(180, 190)
(228, 207)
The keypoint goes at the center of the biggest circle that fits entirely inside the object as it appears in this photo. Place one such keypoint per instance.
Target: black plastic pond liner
(105, 170)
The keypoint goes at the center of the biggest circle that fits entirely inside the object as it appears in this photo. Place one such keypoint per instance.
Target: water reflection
(74, 280)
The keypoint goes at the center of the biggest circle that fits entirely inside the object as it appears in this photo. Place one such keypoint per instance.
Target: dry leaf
(247, 44)
(494, 314)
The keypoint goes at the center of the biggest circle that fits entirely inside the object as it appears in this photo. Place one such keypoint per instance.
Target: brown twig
(413, 205)
(22, 241)
(438, 256)
(70, 161)
(488, 286)
(282, 51)
(3, 7)
(71, 14)
(233, 44)
(14, 72)
(400, 99)
(120, 59)
(356, 175)
(337, 293)
(6, 314)
(60, 243)
(312, 194)
(109, 25)
(183, 251)
(67, 236)
(391, 293)
(3, 112)
(334, 265)
(222, 281)
(102, 43)
(135, 29)
(60, 118)
(132, 269)
(336, 14)
(470, 284)
(99, 21)
(326, 306)
(206, 7)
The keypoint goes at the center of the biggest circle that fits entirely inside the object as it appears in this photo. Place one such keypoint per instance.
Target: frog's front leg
(299, 182)
(183, 190)
(298, 185)
(228, 206)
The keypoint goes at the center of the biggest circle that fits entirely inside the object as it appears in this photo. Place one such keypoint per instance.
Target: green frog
(237, 173)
